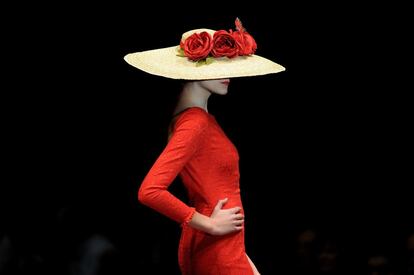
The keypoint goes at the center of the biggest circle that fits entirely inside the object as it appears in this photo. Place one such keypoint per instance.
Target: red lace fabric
(208, 164)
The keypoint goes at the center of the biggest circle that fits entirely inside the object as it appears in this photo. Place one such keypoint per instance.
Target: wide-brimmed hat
(206, 54)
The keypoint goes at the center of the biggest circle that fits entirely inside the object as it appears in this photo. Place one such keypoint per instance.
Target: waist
(207, 207)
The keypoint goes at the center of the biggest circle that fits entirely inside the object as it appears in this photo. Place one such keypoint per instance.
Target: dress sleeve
(184, 142)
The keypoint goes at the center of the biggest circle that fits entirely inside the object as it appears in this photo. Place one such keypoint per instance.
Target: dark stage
(323, 146)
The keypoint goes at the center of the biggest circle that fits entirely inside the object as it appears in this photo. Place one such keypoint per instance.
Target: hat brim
(166, 62)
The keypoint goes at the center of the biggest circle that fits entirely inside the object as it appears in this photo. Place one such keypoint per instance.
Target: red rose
(197, 46)
(224, 44)
(245, 43)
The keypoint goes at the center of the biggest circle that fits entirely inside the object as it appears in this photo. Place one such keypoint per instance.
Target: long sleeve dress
(208, 164)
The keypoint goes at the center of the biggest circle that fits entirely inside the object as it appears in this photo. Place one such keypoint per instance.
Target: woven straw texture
(166, 62)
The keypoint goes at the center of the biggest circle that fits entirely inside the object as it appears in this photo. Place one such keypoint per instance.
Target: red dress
(208, 164)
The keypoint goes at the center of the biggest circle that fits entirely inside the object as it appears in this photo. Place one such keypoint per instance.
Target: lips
(227, 82)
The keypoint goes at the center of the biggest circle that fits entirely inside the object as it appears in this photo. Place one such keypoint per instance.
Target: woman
(212, 239)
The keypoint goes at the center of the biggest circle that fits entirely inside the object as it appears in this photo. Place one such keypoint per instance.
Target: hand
(225, 221)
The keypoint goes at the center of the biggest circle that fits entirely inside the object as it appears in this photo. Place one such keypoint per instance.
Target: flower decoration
(203, 48)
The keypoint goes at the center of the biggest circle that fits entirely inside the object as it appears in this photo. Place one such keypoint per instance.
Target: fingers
(220, 203)
(238, 219)
(239, 216)
(238, 222)
(234, 210)
(238, 228)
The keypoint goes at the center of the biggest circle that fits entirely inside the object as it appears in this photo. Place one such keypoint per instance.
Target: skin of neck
(193, 94)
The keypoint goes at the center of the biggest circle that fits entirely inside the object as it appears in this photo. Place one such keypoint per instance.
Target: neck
(192, 95)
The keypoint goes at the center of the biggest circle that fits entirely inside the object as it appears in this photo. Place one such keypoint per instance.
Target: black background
(323, 145)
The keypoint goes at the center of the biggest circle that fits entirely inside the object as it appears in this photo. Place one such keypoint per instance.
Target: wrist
(211, 226)
(202, 223)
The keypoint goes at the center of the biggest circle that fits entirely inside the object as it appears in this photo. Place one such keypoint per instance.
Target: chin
(221, 92)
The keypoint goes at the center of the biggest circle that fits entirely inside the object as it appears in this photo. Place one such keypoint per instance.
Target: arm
(221, 221)
(153, 192)
(183, 144)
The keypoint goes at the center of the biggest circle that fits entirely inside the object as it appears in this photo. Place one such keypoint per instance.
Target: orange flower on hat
(202, 48)
(245, 42)
(224, 44)
(197, 46)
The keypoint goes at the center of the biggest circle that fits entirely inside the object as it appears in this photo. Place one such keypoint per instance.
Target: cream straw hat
(167, 62)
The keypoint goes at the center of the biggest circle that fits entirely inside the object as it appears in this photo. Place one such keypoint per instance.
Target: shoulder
(193, 117)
